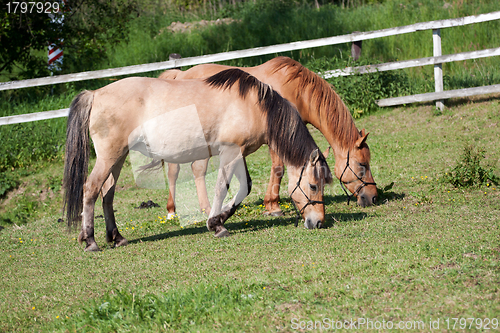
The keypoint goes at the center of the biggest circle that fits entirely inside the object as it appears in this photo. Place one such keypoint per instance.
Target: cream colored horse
(230, 114)
(319, 105)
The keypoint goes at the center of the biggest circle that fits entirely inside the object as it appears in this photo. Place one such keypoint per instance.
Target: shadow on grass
(385, 194)
(254, 225)
(459, 101)
(467, 100)
(174, 233)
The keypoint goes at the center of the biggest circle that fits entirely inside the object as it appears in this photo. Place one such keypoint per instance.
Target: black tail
(77, 155)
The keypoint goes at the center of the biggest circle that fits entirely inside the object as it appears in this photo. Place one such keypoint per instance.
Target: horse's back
(184, 115)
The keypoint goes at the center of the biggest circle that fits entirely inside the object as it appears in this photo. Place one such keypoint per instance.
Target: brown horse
(230, 114)
(319, 105)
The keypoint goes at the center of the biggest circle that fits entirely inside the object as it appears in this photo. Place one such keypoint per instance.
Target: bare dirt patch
(189, 26)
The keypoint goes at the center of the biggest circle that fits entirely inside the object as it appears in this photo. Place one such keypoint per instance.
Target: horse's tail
(77, 155)
(170, 74)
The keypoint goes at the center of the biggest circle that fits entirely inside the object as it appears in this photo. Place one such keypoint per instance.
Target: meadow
(428, 250)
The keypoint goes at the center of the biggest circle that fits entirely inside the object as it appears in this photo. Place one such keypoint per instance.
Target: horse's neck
(334, 120)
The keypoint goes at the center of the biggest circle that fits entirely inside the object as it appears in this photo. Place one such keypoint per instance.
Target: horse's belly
(176, 136)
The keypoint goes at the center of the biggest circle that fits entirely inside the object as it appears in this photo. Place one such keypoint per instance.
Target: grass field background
(426, 251)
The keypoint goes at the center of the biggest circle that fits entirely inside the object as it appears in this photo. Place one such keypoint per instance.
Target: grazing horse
(319, 105)
(230, 114)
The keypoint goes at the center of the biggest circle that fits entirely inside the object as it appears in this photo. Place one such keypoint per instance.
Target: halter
(309, 201)
(349, 196)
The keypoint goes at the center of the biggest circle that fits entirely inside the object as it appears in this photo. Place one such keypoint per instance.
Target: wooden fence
(436, 60)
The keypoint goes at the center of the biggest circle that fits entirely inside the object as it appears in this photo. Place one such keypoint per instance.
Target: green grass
(427, 251)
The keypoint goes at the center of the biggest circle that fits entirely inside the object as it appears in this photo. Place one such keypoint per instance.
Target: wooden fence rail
(389, 66)
(437, 60)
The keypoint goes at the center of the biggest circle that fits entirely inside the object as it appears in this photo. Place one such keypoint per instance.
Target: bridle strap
(309, 201)
(349, 196)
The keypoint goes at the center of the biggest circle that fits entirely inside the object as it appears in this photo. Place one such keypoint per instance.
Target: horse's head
(354, 172)
(306, 185)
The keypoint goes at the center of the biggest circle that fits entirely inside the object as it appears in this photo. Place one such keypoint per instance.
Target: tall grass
(272, 22)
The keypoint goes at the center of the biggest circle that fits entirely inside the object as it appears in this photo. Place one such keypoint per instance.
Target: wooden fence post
(356, 49)
(174, 56)
(438, 68)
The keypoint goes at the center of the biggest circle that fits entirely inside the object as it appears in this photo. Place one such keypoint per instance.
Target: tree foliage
(89, 26)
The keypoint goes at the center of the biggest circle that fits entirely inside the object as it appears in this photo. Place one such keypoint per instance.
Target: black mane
(286, 133)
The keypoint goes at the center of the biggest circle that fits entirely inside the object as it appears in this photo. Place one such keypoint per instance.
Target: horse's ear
(314, 157)
(362, 139)
(326, 152)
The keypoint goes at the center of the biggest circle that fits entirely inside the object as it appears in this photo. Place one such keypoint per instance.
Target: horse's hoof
(122, 242)
(81, 237)
(92, 248)
(222, 233)
(275, 213)
(170, 216)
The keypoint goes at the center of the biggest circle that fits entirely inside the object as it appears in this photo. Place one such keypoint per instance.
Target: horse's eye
(313, 188)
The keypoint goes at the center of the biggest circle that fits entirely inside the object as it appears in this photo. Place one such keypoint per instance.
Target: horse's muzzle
(312, 223)
(365, 200)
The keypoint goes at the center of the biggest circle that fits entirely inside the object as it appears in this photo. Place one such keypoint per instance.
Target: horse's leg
(108, 193)
(228, 162)
(272, 198)
(199, 171)
(91, 190)
(172, 174)
(241, 173)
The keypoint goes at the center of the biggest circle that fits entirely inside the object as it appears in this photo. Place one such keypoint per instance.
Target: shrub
(468, 172)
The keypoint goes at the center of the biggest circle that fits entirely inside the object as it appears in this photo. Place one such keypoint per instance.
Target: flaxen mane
(287, 135)
(323, 99)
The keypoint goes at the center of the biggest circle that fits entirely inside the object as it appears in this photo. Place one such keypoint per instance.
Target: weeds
(468, 172)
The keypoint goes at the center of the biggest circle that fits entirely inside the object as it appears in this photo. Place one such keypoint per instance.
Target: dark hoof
(213, 223)
(81, 237)
(275, 213)
(222, 233)
(122, 242)
(92, 248)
